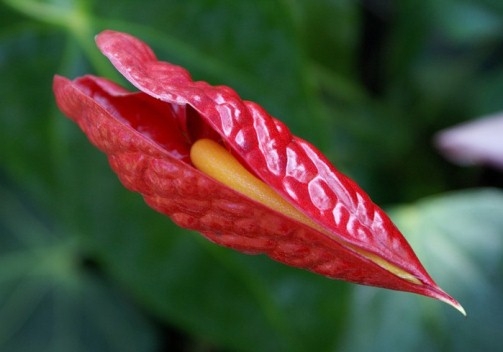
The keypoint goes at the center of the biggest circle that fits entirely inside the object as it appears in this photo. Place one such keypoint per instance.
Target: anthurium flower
(224, 167)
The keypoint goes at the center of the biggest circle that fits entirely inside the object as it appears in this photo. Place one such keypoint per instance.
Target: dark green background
(86, 266)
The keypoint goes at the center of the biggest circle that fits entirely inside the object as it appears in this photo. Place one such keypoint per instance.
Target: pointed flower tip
(452, 302)
(444, 297)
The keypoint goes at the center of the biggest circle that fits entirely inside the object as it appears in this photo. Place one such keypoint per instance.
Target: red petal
(290, 165)
(195, 201)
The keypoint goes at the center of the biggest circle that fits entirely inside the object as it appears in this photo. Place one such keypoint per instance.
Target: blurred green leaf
(459, 239)
(468, 22)
(48, 301)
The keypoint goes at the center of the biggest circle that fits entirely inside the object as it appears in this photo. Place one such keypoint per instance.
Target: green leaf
(459, 238)
(469, 22)
(48, 301)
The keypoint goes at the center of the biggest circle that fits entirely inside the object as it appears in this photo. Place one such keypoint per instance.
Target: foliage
(86, 265)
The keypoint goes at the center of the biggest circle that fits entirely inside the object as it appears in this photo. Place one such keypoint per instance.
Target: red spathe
(147, 136)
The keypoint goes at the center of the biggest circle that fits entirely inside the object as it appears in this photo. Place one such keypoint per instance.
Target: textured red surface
(147, 136)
